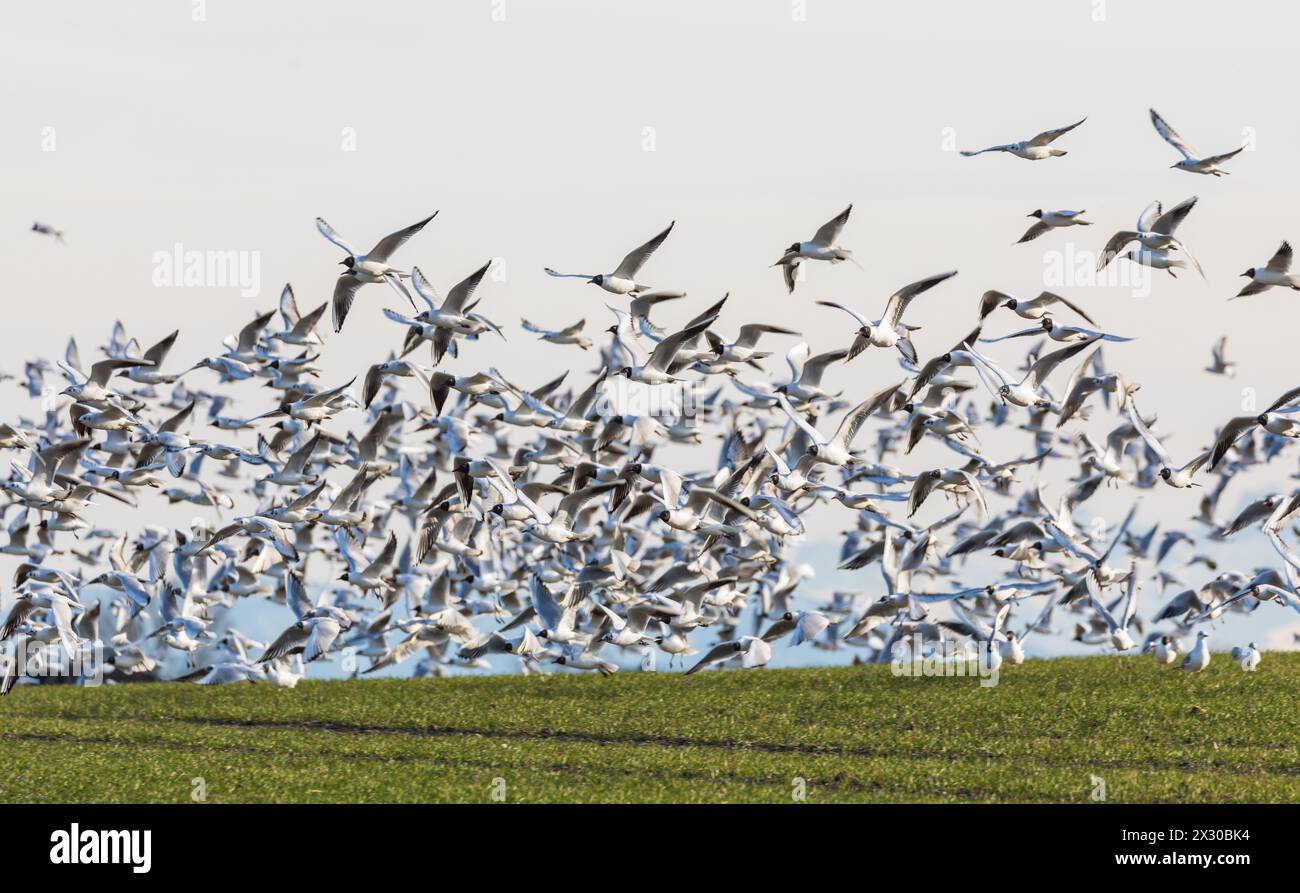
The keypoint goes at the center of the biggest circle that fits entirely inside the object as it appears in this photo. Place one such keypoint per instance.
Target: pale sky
(134, 127)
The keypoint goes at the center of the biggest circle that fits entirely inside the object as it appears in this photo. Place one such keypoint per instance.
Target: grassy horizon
(855, 734)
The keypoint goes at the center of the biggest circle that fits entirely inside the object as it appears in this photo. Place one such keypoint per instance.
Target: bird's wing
(1094, 598)
(857, 317)
(632, 264)
(1053, 298)
(547, 608)
(670, 489)
(1168, 222)
(799, 420)
(1219, 159)
(1044, 365)
(1048, 136)
(390, 243)
(385, 557)
(1280, 262)
(1150, 439)
(100, 372)
(853, 420)
(329, 232)
(1169, 135)
(1033, 232)
(1252, 288)
(816, 367)
(967, 153)
(158, 352)
(899, 300)
(1234, 429)
(345, 292)
(291, 638)
(462, 291)
(829, 232)
(666, 350)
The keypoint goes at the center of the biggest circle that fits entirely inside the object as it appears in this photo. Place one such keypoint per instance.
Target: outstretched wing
(1168, 222)
(829, 232)
(1169, 135)
(390, 243)
(1048, 136)
(462, 291)
(899, 300)
(329, 232)
(632, 264)
(1280, 262)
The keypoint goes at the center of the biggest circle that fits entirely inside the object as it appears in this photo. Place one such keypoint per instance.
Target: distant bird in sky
(46, 230)
(1034, 149)
(623, 280)
(824, 245)
(1049, 220)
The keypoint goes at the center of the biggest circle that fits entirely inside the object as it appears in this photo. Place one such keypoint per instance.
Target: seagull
(1273, 420)
(1178, 477)
(1048, 220)
(837, 450)
(659, 368)
(1219, 362)
(1027, 390)
(1276, 272)
(890, 330)
(1035, 149)
(1034, 309)
(623, 280)
(441, 324)
(1199, 657)
(824, 245)
(365, 268)
(1155, 231)
(1117, 627)
(1165, 650)
(1190, 163)
(46, 230)
(568, 335)
(1247, 658)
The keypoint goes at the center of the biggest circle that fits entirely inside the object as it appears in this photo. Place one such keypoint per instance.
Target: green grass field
(853, 734)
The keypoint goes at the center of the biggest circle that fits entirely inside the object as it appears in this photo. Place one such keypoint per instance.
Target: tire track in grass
(682, 742)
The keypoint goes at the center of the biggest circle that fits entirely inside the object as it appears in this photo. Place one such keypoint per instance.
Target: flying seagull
(366, 268)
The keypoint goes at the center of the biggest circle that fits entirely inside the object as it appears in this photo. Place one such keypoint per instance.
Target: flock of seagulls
(433, 519)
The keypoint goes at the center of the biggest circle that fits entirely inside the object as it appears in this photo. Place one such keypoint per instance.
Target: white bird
(1247, 658)
(371, 267)
(890, 330)
(1165, 650)
(623, 280)
(1199, 657)
(824, 245)
(1191, 163)
(1276, 272)
(1117, 627)
(1025, 391)
(1034, 149)
(1155, 231)
(1176, 476)
(1048, 220)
